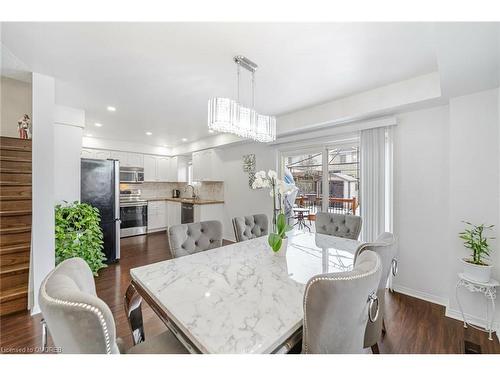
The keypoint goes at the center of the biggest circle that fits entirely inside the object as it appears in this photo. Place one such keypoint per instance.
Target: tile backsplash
(209, 190)
(204, 190)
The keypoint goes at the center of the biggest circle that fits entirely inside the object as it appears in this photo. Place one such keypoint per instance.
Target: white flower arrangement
(278, 189)
(270, 180)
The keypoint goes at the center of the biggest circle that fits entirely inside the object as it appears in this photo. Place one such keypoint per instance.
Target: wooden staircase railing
(15, 223)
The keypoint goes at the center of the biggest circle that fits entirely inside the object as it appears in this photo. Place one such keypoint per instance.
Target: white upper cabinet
(207, 165)
(178, 169)
(162, 169)
(88, 153)
(120, 156)
(102, 154)
(149, 168)
(156, 168)
(128, 159)
(135, 160)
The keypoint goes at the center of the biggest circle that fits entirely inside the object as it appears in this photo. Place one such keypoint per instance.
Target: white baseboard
(420, 295)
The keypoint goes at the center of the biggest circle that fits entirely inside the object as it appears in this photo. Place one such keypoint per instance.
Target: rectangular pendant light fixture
(229, 116)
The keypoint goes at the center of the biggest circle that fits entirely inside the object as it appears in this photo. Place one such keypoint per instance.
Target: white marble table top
(243, 298)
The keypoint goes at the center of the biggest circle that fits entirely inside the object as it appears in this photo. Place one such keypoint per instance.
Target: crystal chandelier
(229, 116)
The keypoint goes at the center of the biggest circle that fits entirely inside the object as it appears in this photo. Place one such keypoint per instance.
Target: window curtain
(376, 182)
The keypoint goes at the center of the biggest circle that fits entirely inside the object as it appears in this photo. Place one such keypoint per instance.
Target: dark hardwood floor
(413, 325)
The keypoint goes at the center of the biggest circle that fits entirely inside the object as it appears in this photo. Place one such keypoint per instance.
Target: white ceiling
(159, 76)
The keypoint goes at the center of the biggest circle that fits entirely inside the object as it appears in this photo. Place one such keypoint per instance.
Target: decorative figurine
(24, 127)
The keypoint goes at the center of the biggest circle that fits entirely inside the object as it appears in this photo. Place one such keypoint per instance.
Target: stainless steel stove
(133, 213)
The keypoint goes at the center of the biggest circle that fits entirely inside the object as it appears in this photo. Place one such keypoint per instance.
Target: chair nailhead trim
(322, 278)
(85, 306)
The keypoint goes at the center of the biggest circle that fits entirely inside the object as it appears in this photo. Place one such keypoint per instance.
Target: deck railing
(347, 206)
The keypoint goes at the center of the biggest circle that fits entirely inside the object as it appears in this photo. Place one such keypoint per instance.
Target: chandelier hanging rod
(245, 63)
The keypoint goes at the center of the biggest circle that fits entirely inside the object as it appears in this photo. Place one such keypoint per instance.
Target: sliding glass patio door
(326, 178)
(306, 168)
(342, 180)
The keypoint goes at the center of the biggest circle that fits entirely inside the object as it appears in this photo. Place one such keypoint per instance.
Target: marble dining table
(241, 298)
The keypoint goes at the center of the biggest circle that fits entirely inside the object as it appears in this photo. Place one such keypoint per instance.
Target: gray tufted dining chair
(385, 246)
(337, 307)
(80, 322)
(339, 225)
(248, 227)
(187, 239)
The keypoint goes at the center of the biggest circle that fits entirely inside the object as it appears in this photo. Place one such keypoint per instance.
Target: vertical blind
(376, 181)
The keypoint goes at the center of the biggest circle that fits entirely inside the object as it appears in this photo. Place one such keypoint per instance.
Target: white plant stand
(489, 291)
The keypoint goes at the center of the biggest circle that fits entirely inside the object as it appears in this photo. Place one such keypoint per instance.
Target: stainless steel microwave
(131, 175)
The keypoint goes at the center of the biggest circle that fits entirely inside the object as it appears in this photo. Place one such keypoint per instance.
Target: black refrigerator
(100, 187)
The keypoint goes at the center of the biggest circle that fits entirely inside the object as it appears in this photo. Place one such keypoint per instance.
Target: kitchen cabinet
(162, 168)
(91, 153)
(149, 168)
(207, 165)
(128, 159)
(102, 154)
(174, 213)
(120, 156)
(156, 168)
(203, 212)
(157, 215)
(135, 160)
(87, 153)
(178, 170)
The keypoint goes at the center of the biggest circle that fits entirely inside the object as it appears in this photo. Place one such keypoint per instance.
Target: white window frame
(310, 147)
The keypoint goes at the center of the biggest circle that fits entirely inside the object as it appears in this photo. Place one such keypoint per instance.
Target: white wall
(421, 202)
(474, 158)
(43, 246)
(239, 198)
(16, 98)
(68, 132)
(442, 155)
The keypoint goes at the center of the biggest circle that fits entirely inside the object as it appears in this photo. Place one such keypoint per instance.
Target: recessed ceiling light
(98, 124)
(111, 108)
(211, 131)
(184, 139)
(149, 133)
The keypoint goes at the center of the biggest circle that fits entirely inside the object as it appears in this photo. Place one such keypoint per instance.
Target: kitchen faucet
(192, 187)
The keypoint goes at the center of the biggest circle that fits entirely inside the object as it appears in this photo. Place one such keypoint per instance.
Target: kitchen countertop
(186, 200)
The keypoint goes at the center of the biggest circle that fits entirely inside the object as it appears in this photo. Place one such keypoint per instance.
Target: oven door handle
(134, 204)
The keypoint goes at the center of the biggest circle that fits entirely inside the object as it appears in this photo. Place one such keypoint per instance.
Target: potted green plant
(277, 238)
(78, 234)
(476, 267)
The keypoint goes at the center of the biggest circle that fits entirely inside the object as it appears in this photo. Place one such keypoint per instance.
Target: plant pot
(476, 272)
(282, 251)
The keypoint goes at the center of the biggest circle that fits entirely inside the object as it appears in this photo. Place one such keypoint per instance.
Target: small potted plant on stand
(477, 268)
(277, 238)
